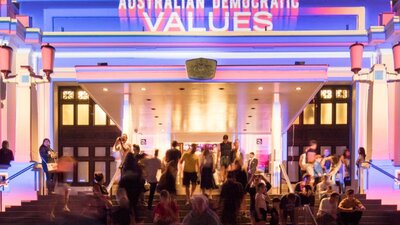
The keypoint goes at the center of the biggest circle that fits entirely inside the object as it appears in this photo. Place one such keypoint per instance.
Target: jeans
(153, 187)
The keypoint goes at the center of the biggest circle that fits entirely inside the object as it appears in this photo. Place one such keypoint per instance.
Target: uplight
(298, 89)
(105, 89)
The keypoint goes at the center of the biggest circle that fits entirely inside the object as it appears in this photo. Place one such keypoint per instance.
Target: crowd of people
(237, 178)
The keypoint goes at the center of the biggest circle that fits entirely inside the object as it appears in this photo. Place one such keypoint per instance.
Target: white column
(23, 108)
(395, 120)
(359, 125)
(276, 156)
(378, 115)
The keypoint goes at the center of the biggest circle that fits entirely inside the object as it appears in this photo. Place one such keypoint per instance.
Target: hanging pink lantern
(396, 57)
(48, 53)
(356, 56)
(6, 53)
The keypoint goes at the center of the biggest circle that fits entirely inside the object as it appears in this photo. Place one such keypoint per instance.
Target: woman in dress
(207, 169)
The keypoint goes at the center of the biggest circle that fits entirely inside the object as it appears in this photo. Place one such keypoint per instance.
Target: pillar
(359, 125)
(23, 108)
(395, 120)
(276, 157)
(378, 115)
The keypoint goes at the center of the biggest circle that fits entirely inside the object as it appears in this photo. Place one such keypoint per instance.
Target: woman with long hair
(207, 169)
(48, 156)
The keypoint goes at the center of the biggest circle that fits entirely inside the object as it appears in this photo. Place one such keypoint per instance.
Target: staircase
(37, 212)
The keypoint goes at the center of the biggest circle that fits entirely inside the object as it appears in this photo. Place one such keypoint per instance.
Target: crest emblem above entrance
(201, 68)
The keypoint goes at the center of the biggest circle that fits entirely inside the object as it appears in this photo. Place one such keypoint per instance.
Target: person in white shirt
(327, 212)
(152, 166)
(325, 187)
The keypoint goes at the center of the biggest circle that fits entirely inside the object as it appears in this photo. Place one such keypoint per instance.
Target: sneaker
(52, 217)
(66, 209)
(187, 203)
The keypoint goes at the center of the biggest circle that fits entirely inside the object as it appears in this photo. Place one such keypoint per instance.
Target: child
(275, 211)
(261, 205)
(102, 200)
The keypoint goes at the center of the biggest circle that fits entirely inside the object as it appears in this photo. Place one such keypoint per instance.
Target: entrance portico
(160, 103)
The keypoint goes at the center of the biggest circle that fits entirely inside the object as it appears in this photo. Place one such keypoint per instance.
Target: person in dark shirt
(132, 182)
(173, 155)
(305, 191)
(289, 206)
(48, 156)
(6, 155)
(230, 199)
(224, 156)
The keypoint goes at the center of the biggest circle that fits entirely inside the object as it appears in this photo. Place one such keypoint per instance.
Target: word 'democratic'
(204, 15)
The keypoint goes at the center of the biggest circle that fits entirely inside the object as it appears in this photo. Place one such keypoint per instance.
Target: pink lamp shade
(6, 54)
(356, 56)
(396, 57)
(48, 53)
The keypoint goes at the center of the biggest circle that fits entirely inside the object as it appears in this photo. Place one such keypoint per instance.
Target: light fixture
(356, 56)
(160, 124)
(6, 53)
(247, 123)
(48, 53)
(182, 89)
(256, 99)
(105, 89)
(298, 88)
(260, 88)
(148, 99)
(153, 108)
(396, 57)
(253, 108)
(221, 88)
(156, 117)
(143, 89)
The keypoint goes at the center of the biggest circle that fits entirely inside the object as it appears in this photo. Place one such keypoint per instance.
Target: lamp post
(6, 54)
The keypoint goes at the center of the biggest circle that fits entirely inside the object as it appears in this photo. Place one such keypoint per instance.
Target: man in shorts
(190, 169)
(223, 156)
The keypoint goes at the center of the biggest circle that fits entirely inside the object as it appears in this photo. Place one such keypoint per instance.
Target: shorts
(225, 161)
(189, 178)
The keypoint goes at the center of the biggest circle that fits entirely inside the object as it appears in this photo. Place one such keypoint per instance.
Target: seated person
(274, 210)
(350, 209)
(289, 206)
(327, 212)
(201, 213)
(305, 191)
(325, 187)
(6, 155)
(166, 211)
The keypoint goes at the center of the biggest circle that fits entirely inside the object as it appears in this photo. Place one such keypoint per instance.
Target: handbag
(52, 167)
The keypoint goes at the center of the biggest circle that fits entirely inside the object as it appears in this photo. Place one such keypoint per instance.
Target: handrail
(3, 183)
(308, 210)
(384, 172)
(286, 177)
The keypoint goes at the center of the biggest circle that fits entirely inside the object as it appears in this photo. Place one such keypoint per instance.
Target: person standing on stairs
(190, 170)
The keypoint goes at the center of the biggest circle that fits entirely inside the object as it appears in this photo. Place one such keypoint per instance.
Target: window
(83, 114)
(100, 117)
(67, 114)
(100, 151)
(341, 113)
(297, 120)
(326, 94)
(68, 151)
(83, 95)
(83, 172)
(309, 114)
(326, 113)
(68, 95)
(83, 151)
(342, 93)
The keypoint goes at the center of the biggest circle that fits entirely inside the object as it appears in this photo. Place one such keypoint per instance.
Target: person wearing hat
(224, 156)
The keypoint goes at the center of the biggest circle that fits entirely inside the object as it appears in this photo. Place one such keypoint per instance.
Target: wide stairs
(37, 212)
